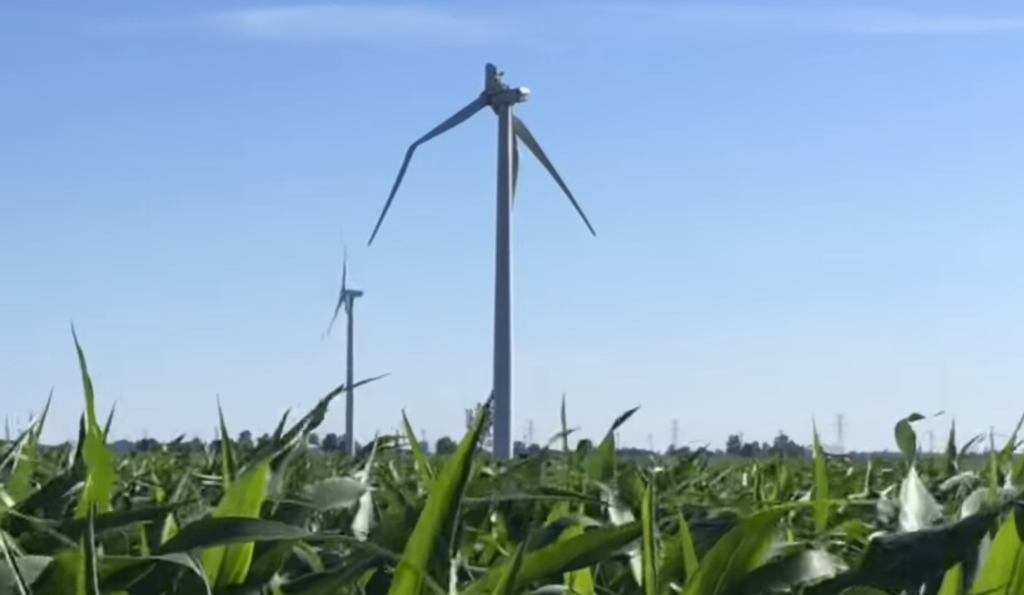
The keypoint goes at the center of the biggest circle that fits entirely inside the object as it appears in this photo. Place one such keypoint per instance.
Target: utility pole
(675, 434)
(529, 432)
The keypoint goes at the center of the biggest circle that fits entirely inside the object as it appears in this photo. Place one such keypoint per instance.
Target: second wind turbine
(501, 99)
(347, 300)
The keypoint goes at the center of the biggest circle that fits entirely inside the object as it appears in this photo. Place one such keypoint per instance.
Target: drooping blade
(524, 134)
(515, 168)
(458, 118)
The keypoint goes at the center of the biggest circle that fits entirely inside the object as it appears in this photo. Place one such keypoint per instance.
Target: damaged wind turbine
(501, 99)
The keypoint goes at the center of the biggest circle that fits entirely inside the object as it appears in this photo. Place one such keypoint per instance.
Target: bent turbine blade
(515, 168)
(524, 134)
(458, 118)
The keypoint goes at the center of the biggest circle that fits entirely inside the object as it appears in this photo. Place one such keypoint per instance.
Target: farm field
(278, 517)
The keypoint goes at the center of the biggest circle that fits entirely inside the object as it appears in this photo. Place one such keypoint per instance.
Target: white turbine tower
(347, 300)
(501, 98)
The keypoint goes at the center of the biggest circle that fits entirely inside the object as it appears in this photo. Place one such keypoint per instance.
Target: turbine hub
(508, 96)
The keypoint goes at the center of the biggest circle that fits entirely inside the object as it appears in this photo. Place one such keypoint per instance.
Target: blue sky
(803, 209)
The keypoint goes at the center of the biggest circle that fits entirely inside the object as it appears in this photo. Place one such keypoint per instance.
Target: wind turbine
(347, 301)
(501, 99)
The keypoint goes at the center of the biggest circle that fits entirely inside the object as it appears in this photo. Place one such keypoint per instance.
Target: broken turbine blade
(458, 118)
(523, 133)
(515, 168)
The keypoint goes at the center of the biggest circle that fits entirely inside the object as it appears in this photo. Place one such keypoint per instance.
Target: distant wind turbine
(500, 98)
(347, 301)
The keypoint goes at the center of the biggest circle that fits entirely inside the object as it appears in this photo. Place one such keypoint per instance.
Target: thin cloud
(553, 21)
(893, 23)
(703, 18)
(352, 22)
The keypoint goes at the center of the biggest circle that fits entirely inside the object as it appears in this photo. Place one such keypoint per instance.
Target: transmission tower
(841, 433)
(675, 434)
(529, 432)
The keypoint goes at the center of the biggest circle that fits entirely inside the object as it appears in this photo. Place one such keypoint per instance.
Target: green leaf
(18, 574)
(601, 466)
(506, 585)
(683, 552)
(99, 460)
(113, 520)
(572, 554)
(1003, 572)
(906, 438)
(952, 581)
(227, 455)
(89, 580)
(737, 553)
(423, 468)
(951, 462)
(61, 575)
(821, 504)
(222, 531)
(439, 514)
(24, 457)
(229, 565)
(649, 554)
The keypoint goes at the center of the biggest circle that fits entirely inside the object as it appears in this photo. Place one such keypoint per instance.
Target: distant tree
(314, 439)
(784, 446)
(147, 445)
(444, 446)
(487, 436)
(330, 443)
(734, 445)
(245, 440)
(750, 450)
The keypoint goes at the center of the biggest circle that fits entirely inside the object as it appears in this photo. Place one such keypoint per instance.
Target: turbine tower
(347, 301)
(501, 99)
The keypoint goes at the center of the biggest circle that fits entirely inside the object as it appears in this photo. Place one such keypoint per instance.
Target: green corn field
(280, 518)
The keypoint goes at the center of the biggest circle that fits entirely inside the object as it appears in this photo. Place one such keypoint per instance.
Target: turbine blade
(515, 167)
(344, 269)
(524, 134)
(458, 118)
(342, 299)
(343, 294)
